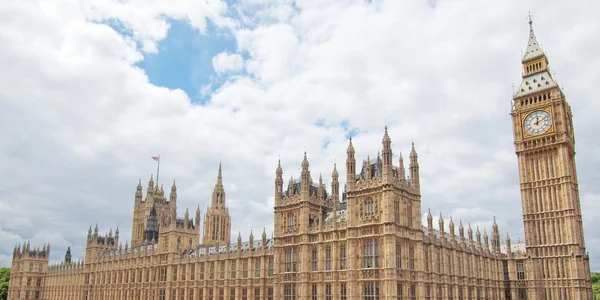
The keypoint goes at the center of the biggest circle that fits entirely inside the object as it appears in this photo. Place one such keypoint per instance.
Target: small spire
(533, 48)
(173, 187)
(220, 174)
(429, 216)
(350, 146)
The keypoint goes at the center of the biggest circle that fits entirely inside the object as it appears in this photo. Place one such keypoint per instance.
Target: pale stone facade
(366, 242)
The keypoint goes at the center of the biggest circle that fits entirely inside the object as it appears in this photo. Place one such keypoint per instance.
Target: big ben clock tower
(545, 148)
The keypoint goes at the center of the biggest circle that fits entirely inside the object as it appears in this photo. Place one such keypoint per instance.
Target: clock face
(537, 122)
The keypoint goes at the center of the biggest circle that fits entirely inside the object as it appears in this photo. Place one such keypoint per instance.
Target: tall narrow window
(201, 271)
(343, 291)
(231, 294)
(328, 294)
(328, 258)
(257, 268)
(270, 266)
(222, 270)
(413, 292)
(291, 221)
(290, 260)
(426, 256)
(369, 207)
(314, 291)
(233, 269)
(411, 257)
(257, 293)
(270, 293)
(409, 217)
(343, 257)
(398, 256)
(245, 268)
(399, 291)
(397, 210)
(314, 259)
(212, 270)
(370, 253)
(520, 270)
(244, 294)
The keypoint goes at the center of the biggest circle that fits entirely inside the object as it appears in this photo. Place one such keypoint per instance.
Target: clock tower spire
(545, 148)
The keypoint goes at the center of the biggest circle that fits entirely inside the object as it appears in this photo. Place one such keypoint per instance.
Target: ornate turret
(173, 195)
(401, 170)
(451, 227)
(150, 188)
(508, 246)
(251, 240)
(470, 235)
(485, 240)
(495, 238)
(478, 236)
(68, 256)
(461, 232)
(414, 166)
(138, 192)
(387, 154)
(305, 176)
(264, 238)
(239, 242)
(335, 188)
(197, 220)
(278, 182)
(430, 224)
(151, 232)
(350, 167)
(217, 222)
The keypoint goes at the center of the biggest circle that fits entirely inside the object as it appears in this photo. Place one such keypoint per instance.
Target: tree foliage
(4, 276)
(596, 284)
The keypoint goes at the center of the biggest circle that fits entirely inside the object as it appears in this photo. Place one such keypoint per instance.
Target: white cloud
(226, 62)
(79, 120)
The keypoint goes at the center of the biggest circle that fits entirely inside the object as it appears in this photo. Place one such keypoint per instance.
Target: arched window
(178, 243)
(291, 220)
(369, 209)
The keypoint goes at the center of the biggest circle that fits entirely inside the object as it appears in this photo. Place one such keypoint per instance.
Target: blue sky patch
(184, 59)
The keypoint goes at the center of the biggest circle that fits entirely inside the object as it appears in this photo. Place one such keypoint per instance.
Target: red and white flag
(156, 158)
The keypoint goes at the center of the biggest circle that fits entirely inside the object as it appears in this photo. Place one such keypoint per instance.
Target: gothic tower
(217, 223)
(545, 148)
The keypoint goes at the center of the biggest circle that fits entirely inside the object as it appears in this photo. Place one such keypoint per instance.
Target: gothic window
(428, 292)
(369, 209)
(178, 243)
(289, 291)
(411, 257)
(520, 270)
(270, 266)
(244, 294)
(343, 257)
(232, 294)
(257, 293)
(183, 269)
(314, 259)
(257, 268)
(439, 292)
(290, 260)
(409, 217)
(314, 291)
(328, 295)
(290, 220)
(201, 271)
(222, 270)
(328, 258)
(398, 256)
(245, 268)
(193, 272)
(269, 293)
(413, 291)
(397, 210)
(233, 269)
(399, 291)
(371, 290)
(426, 255)
(343, 291)
(221, 293)
(370, 253)
(212, 270)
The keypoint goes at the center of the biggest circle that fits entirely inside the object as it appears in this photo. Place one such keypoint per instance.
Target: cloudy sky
(89, 90)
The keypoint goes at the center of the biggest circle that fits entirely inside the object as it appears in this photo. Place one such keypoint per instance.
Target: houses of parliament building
(363, 242)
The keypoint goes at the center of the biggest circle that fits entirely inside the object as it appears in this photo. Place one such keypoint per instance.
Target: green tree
(596, 284)
(4, 276)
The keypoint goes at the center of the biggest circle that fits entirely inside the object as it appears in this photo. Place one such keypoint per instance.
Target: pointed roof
(220, 175)
(533, 47)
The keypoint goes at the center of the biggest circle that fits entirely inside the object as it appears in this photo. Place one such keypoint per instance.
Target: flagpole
(157, 169)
